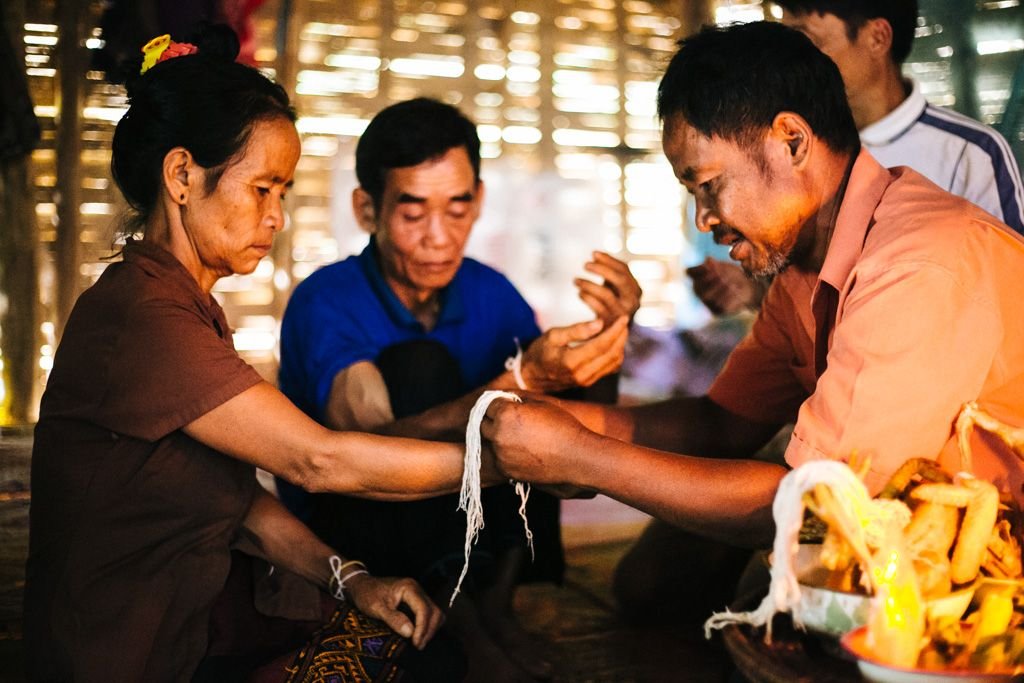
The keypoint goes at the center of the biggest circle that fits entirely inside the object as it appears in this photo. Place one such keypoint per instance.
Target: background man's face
(426, 214)
(828, 33)
(748, 200)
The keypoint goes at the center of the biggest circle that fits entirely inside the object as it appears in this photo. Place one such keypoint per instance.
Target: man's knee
(419, 374)
(672, 574)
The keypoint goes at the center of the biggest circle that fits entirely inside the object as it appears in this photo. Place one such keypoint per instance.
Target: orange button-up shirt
(929, 315)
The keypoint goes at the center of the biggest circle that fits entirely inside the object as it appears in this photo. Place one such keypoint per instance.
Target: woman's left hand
(381, 597)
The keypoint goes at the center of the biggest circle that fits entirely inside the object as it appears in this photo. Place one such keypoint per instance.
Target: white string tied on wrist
(514, 364)
(469, 496)
(337, 581)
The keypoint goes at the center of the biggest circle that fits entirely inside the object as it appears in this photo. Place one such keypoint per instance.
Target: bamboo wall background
(563, 93)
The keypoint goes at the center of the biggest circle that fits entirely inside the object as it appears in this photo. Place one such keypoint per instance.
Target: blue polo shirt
(345, 313)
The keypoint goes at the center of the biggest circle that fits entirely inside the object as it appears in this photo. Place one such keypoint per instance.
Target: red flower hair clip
(162, 48)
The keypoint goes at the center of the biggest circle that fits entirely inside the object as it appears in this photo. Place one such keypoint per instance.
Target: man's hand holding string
(535, 441)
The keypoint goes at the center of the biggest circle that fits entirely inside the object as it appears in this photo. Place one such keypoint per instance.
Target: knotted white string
(469, 496)
(336, 563)
(336, 584)
(514, 364)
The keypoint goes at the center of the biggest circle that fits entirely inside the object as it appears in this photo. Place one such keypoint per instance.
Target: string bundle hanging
(469, 496)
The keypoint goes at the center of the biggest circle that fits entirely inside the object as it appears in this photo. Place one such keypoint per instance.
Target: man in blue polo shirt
(402, 339)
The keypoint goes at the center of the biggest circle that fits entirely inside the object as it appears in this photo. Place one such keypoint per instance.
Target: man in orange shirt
(893, 304)
(869, 40)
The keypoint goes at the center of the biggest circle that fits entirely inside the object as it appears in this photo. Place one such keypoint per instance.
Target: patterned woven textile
(350, 648)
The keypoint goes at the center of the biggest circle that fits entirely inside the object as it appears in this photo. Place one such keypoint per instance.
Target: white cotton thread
(342, 582)
(514, 364)
(336, 563)
(469, 496)
(336, 584)
(523, 491)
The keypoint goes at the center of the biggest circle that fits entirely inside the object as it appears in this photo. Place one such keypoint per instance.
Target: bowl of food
(940, 661)
(827, 610)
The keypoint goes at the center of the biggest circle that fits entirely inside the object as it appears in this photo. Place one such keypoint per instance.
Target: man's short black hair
(407, 134)
(901, 15)
(732, 81)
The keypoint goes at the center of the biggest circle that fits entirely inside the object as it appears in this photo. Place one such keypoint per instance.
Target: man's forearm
(446, 422)
(697, 426)
(730, 500)
(360, 400)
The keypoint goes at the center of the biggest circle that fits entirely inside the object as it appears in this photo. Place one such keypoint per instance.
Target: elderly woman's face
(234, 226)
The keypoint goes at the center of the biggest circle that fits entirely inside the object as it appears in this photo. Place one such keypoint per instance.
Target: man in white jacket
(869, 41)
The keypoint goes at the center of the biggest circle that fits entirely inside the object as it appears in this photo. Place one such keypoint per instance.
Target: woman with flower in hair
(146, 512)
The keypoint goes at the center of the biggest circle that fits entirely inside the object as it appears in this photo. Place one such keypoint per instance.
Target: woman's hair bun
(214, 41)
